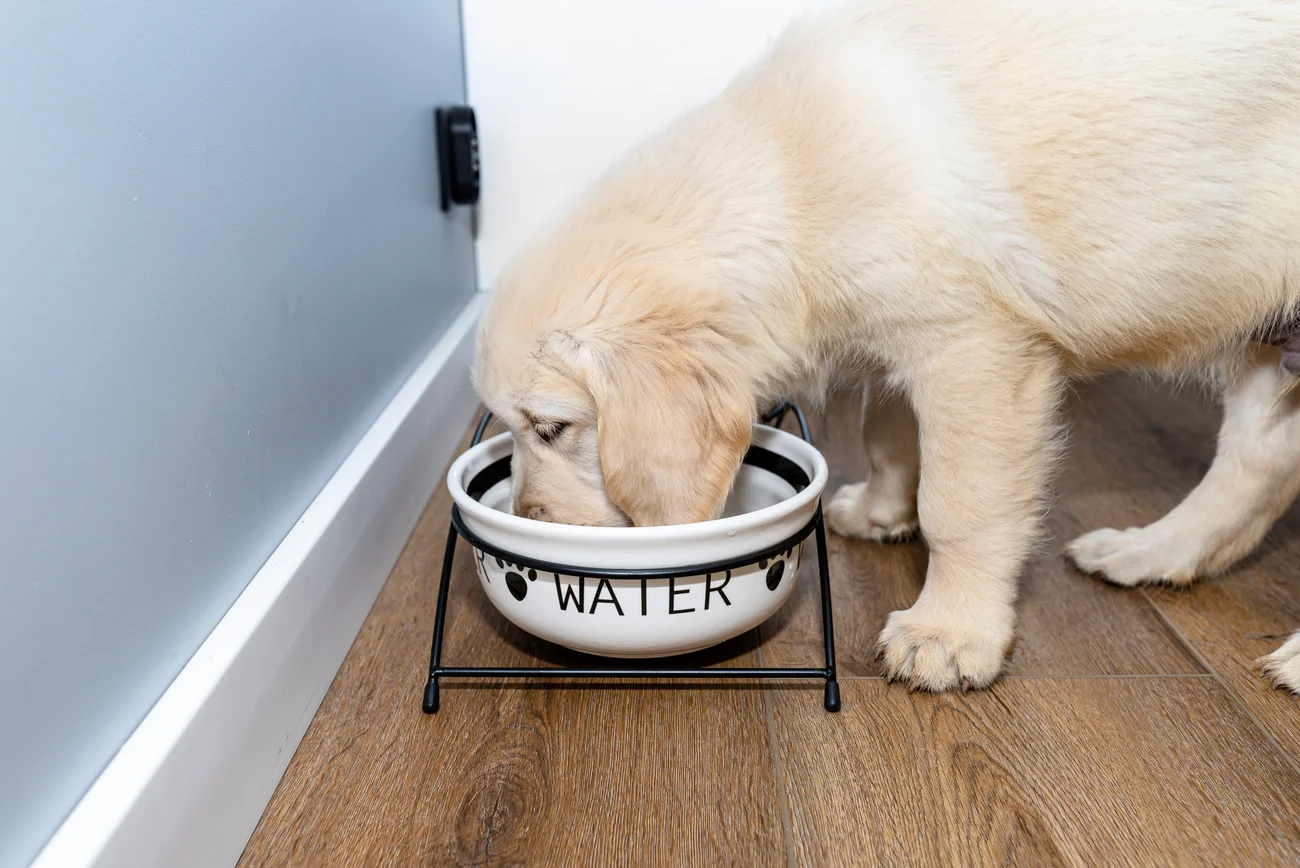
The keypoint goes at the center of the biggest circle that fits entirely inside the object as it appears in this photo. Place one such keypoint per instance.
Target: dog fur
(962, 204)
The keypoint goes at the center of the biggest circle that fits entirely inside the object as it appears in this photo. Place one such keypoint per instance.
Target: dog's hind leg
(883, 507)
(1254, 477)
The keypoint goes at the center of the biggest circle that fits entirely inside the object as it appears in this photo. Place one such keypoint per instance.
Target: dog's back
(1144, 155)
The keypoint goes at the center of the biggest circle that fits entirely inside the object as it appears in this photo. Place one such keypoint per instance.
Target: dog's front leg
(986, 406)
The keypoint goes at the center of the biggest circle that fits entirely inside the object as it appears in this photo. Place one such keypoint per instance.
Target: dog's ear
(674, 415)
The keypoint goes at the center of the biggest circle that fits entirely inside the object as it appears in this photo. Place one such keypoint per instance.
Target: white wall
(221, 254)
(564, 87)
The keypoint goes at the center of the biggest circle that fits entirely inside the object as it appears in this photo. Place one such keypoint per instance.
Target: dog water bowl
(643, 591)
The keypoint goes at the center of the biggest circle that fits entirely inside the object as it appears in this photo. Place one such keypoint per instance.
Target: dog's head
(628, 402)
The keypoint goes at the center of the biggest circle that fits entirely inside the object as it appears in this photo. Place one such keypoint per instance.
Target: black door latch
(457, 155)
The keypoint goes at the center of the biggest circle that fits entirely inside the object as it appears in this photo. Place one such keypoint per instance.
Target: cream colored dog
(964, 203)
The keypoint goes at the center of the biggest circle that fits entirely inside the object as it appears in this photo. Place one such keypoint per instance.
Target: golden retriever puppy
(964, 203)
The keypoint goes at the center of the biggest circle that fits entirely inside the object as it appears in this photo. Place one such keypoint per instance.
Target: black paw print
(517, 586)
(774, 573)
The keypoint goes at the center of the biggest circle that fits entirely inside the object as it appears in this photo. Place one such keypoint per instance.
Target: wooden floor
(1129, 728)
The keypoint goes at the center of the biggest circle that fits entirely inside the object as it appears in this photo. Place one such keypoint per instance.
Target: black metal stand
(831, 699)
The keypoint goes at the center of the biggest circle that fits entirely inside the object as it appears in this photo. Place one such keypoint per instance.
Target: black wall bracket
(458, 168)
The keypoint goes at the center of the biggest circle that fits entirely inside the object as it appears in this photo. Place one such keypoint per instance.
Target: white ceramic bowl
(540, 575)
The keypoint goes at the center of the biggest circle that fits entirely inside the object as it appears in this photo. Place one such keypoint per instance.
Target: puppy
(962, 204)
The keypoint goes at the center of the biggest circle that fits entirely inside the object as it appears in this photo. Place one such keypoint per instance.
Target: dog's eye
(548, 431)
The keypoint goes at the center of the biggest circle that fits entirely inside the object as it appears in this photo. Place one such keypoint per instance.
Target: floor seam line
(778, 767)
(1232, 694)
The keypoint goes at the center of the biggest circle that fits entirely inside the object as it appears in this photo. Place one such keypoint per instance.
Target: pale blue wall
(220, 255)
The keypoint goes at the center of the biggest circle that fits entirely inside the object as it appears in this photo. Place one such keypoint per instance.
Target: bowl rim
(773, 439)
(617, 574)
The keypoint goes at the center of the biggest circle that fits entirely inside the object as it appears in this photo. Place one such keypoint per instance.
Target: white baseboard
(191, 782)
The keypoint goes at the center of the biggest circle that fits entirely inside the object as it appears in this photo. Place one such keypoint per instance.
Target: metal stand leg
(432, 698)
(832, 698)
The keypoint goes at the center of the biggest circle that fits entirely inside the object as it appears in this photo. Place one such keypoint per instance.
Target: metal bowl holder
(499, 470)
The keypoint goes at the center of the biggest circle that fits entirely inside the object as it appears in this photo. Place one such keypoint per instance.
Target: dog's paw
(1282, 667)
(1132, 557)
(936, 652)
(856, 512)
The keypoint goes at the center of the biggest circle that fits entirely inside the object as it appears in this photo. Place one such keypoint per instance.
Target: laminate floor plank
(1083, 771)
